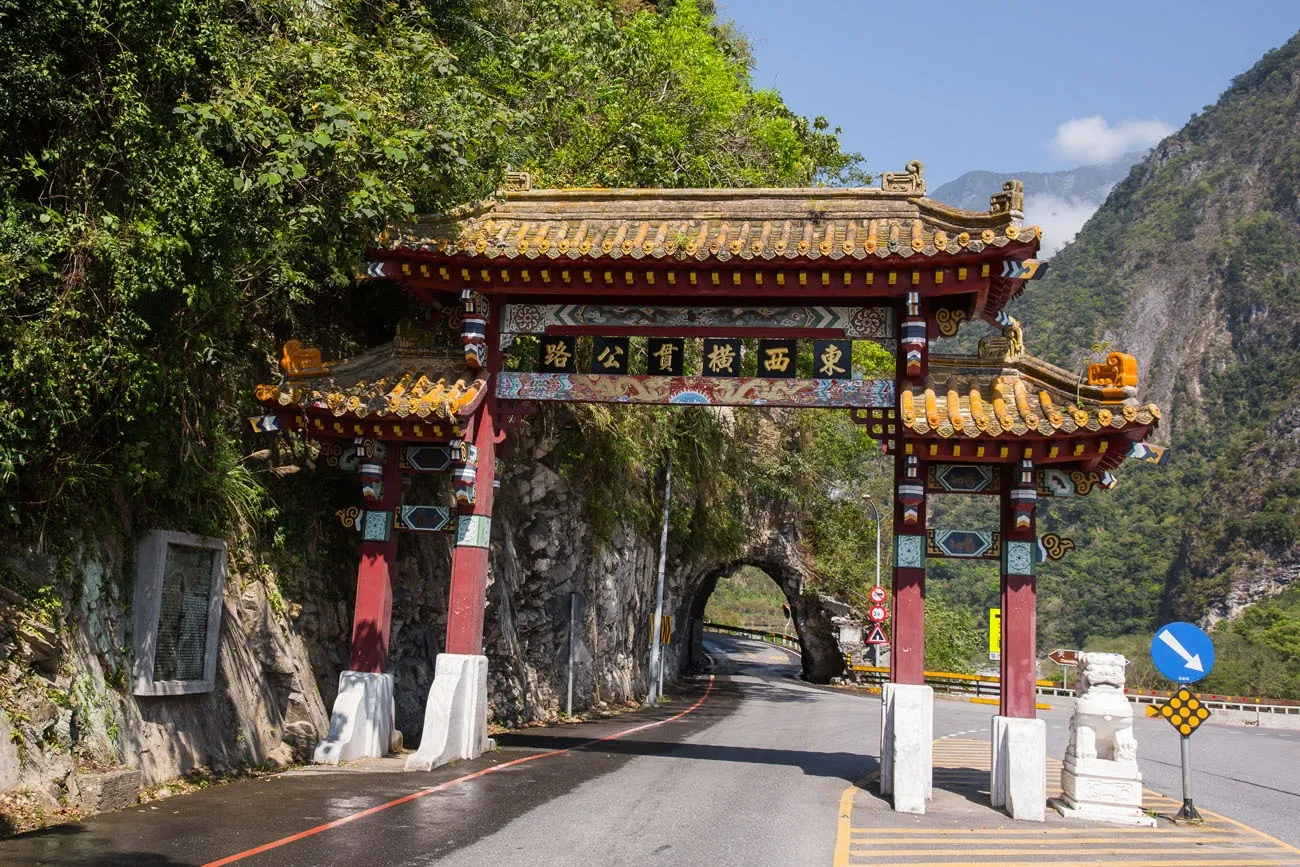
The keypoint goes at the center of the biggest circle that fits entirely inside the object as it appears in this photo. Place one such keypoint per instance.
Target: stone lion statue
(1102, 725)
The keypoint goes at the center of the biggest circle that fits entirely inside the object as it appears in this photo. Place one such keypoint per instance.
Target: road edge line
(370, 811)
(844, 827)
(1243, 826)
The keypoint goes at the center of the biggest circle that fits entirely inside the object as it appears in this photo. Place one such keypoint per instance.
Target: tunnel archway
(820, 654)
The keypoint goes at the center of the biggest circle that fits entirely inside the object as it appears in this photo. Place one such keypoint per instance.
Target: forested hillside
(1193, 265)
(183, 187)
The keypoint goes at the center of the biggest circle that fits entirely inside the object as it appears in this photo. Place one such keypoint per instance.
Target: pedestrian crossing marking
(962, 765)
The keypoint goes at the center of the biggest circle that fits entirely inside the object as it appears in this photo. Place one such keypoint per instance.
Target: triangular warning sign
(876, 635)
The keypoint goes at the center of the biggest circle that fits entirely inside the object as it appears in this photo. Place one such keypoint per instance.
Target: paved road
(749, 768)
(1248, 773)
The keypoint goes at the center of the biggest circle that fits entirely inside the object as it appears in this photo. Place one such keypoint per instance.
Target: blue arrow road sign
(1182, 652)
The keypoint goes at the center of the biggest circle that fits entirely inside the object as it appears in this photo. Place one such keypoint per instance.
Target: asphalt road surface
(747, 768)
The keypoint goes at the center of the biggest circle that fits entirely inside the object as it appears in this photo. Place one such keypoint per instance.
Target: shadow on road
(970, 783)
(844, 766)
(66, 850)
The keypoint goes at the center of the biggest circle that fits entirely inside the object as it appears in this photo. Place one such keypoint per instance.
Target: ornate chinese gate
(686, 282)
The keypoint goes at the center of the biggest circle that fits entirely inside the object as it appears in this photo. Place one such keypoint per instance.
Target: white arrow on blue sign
(1182, 652)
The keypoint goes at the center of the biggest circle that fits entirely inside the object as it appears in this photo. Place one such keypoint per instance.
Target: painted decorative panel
(867, 323)
(963, 478)
(376, 525)
(964, 544)
(474, 531)
(1018, 558)
(429, 519)
(909, 552)
(429, 459)
(1071, 483)
(715, 391)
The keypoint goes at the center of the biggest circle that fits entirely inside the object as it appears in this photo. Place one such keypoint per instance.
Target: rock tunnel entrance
(819, 650)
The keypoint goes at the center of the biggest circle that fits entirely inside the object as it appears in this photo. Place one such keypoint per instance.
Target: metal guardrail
(1278, 706)
(976, 683)
(952, 682)
(989, 686)
(778, 638)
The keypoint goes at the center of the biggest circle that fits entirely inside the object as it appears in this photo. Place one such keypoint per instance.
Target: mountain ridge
(1060, 202)
(1192, 265)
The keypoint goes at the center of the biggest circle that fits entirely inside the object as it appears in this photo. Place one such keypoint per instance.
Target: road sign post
(1188, 809)
(1184, 653)
(1065, 659)
(878, 596)
(995, 633)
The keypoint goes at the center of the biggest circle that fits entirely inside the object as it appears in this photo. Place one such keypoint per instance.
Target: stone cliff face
(72, 713)
(1191, 266)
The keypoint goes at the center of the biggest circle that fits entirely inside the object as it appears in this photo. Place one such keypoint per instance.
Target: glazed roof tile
(1026, 396)
(820, 223)
(395, 380)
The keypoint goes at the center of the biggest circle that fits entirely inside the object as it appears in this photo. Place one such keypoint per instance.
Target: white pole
(656, 671)
(573, 617)
(875, 648)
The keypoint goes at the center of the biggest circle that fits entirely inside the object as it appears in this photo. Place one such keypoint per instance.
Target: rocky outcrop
(1190, 266)
(66, 702)
(67, 715)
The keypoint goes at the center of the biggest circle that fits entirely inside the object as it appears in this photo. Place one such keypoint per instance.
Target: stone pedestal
(1019, 777)
(907, 745)
(1103, 790)
(455, 718)
(361, 725)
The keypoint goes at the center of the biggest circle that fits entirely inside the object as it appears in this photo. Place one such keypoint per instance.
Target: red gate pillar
(455, 717)
(373, 614)
(469, 559)
(1018, 740)
(907, 655)
(361, 721)
(1019, 608)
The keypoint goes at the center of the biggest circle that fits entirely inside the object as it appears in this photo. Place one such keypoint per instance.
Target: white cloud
(1061, 219)
(1093, 140)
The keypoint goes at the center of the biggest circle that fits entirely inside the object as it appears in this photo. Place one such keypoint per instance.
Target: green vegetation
(748, 597)
(185, 185)
(1214, 209)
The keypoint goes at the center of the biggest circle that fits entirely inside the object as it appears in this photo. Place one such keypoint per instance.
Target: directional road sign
(1183, 710)
(1182, 652)
(1064, 657)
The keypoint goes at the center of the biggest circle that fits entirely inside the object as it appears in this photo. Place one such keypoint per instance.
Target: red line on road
(370, 811)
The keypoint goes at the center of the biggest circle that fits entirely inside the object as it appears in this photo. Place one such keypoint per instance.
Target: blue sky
(988, 85)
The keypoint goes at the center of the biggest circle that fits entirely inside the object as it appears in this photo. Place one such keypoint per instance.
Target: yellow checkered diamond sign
(1183, 710)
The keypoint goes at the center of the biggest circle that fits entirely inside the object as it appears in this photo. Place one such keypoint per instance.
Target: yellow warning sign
(995, 631)
(1183, 710)
(665, 628)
